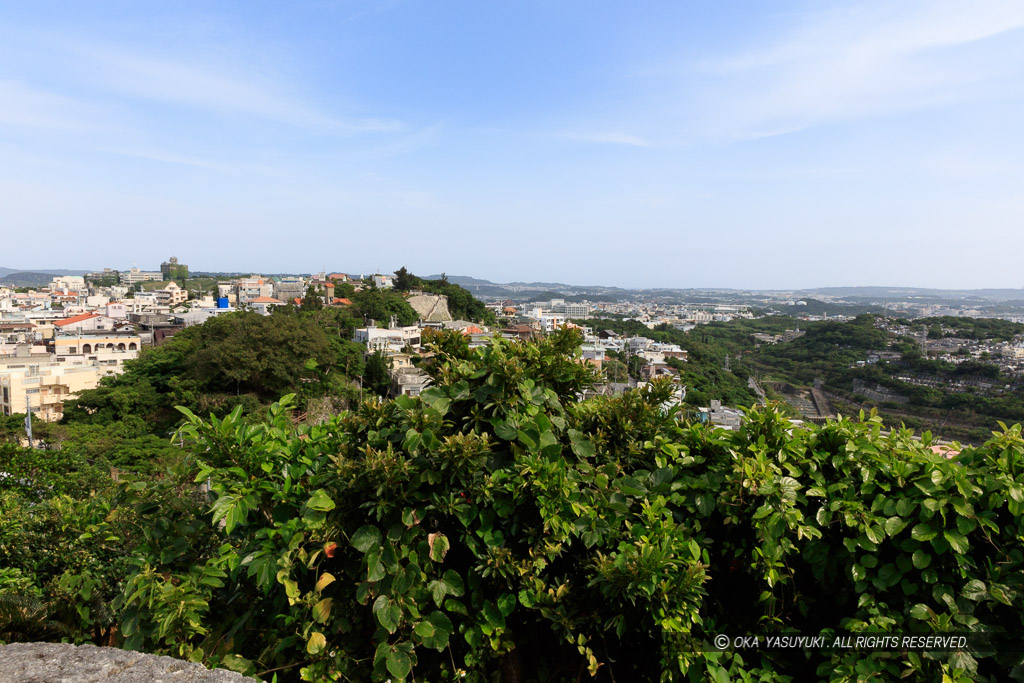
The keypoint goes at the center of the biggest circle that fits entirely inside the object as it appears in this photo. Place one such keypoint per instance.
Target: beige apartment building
(108, 350)
(44, 386)
(89, 342)
(171, 295)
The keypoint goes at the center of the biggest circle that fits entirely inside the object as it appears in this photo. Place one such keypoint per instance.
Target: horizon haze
(744, 146)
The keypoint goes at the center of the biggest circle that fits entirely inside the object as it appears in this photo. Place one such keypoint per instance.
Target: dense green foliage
(825, 347)
(235, 359)
(500, 528)
(815, 307)
(994, 329)
(375, 376)
(240, 359)
(312, 300)
(380, 305)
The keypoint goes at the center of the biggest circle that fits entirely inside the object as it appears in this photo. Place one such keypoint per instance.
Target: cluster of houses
(59, 340)
(1007, 355)
(556, 312)
(48, 355)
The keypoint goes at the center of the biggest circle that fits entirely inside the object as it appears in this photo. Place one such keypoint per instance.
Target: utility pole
(28, 420)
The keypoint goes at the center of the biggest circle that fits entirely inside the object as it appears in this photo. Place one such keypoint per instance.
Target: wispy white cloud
(208, 80)
(860, 62)
(870, 32)
(422, 138)
(607, 138)
(166, 156)
(856, 62)
(218, 88)
(25, 106)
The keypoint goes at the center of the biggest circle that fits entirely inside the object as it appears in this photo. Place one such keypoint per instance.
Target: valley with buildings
(948, 362)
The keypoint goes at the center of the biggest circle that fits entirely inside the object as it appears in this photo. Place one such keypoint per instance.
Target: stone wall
(433, 308)
(64, 663)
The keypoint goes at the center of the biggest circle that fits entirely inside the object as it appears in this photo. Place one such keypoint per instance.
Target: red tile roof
(77, 319)
(472, 329)
(343, 301)
(265, 300)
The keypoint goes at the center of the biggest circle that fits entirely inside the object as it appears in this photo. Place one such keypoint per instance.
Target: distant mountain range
(873, 293)
(914, 292)
(27, 277)
(33, 278)
(4, 272)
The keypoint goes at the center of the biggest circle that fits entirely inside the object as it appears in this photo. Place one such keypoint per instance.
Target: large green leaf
(956, 541)
(399, 663)
(316, 643)
(320, 501)
(365, 537)
(975, 590)
(438, 546)
(921, 559)
(921, 612)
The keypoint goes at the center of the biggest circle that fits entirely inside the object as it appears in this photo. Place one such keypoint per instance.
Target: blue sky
(660, 144)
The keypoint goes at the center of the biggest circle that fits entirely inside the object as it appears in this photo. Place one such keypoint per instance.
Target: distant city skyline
(744, 145)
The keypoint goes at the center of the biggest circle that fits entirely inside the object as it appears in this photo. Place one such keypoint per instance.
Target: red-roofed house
(83, 323)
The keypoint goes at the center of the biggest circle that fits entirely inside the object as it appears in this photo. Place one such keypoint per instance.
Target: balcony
(51, 399)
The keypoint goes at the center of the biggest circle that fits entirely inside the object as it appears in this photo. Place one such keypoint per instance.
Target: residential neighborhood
(61, 339)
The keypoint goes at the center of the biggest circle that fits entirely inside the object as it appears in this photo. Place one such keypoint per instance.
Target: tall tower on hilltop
(172, 270)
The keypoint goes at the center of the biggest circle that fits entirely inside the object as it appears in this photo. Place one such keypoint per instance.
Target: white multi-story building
(385, 339)
(67, 283)
(593, 354)
(246, 289)
(571, 310)
(133, 276)
(198, 316)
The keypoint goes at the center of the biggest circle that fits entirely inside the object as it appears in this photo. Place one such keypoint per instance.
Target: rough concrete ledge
(63, 663)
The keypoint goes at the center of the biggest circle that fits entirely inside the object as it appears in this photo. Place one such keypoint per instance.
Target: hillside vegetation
(951, 400)
(498, 528)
